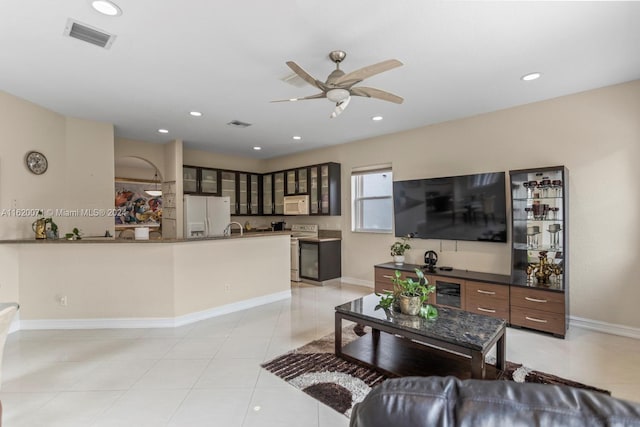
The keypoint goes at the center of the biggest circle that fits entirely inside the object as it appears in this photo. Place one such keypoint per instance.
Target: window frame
(357, 200)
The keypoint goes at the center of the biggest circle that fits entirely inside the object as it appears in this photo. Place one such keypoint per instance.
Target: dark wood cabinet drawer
(536, 299)
(488, 299)
(539, 320)
(383, 277)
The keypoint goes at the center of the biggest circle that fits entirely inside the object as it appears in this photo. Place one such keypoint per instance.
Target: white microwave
(296, 205)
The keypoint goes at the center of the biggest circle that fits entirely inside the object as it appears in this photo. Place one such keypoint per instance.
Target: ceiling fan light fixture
(337, 95)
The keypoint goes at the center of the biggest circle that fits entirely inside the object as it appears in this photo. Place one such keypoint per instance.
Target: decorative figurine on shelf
(543, 270)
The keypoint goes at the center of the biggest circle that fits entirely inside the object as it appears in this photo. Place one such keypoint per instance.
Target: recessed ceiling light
(531, 76)
(163, 131)
(257, 148)
(297, 138)
(376, 118)
(293, 99)
(196, 113)
(106, 7)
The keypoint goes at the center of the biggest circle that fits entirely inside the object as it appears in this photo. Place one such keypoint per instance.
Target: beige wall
(80, 174)
(221, 161)
(596, 134)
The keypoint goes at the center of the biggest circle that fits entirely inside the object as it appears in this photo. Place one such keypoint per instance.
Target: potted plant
(51, 228)
(410, 295)
(398, 249)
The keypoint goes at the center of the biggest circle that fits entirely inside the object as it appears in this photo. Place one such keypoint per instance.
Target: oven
(299, 230)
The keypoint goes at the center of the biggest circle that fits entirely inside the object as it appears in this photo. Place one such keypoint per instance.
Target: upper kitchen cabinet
(198, 180)
(267, 194)
(324, 189)
(278, 193)
(297, 182)
(242, 188)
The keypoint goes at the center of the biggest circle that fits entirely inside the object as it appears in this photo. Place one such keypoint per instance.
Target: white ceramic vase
(398, 259)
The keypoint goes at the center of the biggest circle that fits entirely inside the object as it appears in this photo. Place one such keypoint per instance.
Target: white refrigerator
(206, 216)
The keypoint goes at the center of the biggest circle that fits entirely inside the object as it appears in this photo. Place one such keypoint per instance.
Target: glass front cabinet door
(540, 248)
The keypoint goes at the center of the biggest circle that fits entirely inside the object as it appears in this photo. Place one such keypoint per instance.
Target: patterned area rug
(314, 369)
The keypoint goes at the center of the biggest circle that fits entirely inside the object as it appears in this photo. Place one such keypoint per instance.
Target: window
(372, 201)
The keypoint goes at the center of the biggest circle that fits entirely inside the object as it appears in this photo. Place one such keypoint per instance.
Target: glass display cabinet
(539, 256)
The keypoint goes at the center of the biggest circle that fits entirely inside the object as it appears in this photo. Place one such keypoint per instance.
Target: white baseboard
(607, 328)
(358, 282)
(162, 322)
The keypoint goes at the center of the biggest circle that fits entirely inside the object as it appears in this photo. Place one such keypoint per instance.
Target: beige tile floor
(208, 373)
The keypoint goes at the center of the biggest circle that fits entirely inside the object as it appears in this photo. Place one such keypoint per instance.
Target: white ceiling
(226, 58)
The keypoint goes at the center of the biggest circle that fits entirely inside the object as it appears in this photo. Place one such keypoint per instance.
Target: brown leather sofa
(448, 401)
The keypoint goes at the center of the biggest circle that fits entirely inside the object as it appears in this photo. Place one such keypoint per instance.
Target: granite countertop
(98, 239)
(319, 239)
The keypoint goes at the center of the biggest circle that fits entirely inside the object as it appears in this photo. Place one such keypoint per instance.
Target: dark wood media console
(538, 308)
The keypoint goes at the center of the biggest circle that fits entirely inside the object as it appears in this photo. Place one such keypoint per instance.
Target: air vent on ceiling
(88, 34)
(294, 80)
(238, 124)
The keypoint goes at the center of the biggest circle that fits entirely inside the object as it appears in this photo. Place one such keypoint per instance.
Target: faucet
(227, 230)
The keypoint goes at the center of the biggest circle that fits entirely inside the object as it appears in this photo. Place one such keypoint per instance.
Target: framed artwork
(134, 206)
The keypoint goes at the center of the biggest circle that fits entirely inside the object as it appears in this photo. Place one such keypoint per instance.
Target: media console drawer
(488, 299)
(537, 299)
(537, 319)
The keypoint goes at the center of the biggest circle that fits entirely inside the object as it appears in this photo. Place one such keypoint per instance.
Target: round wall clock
(36, 162)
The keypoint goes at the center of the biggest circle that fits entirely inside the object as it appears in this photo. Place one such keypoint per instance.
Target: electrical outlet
(227, 287)
(62, 300)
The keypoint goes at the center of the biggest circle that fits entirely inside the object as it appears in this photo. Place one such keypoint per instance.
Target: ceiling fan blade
(371, 92)
(304, 75)
(363, 73)
(340, 107)
(316, 96)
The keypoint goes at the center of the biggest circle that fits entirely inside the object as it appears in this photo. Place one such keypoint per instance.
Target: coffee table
(456, 343)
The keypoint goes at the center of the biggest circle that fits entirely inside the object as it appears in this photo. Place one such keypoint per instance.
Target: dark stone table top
(462, 328)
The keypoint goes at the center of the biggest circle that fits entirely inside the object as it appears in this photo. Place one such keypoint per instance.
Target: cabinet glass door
(291, 182)
(313, 190)
(254, 198)
(209, 181)
(302, 181)
(228, 189)
(539, 251)
(324, 189)
(278, 193)
(243, 200)
(309, 260)
(267, 194)
(189, 179)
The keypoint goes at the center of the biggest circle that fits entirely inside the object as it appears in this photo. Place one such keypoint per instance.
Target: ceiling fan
(340, 87)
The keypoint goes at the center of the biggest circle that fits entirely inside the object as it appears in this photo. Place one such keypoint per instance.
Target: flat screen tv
(468, 207)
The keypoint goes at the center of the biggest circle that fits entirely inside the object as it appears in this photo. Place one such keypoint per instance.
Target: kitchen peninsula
(161, 283)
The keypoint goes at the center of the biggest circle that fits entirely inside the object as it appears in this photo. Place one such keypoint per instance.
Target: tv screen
(468, 207)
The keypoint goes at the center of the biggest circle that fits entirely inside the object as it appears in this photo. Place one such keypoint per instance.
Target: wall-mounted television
(467, 207)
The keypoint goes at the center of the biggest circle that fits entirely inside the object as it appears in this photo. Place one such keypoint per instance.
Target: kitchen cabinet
(199, 180)
(320, 260)
(324, 189)
(297, 181)
(228, 187)
(278, 193)
(242, 188)
(540, 248)
(267, 194)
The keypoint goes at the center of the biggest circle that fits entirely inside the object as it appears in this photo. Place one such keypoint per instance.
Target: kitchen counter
(97, 239)
(319, 239)
(94, 283)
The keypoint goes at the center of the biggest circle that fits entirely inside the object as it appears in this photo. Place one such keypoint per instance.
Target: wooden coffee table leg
(338, 335)
(478, 370)
(501, 348)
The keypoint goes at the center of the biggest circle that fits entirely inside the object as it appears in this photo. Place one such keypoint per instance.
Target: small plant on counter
(74, 235)
(399, 248)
